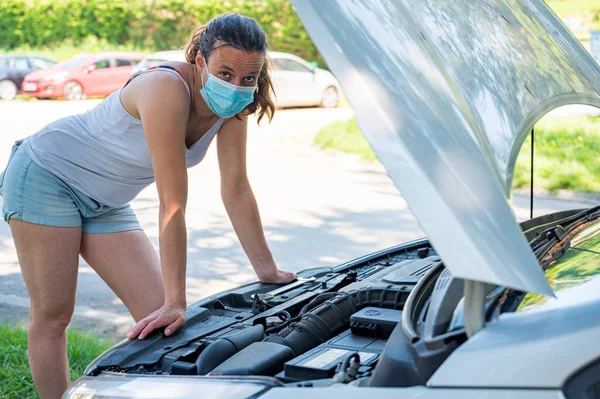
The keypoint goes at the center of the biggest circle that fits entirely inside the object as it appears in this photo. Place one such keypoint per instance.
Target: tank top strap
(165, 68)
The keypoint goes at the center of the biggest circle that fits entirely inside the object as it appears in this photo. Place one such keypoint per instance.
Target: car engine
(332, 324)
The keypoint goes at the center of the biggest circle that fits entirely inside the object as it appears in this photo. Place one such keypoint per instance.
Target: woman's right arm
(163, 106)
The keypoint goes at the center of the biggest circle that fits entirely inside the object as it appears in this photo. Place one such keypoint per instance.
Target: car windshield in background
(4, 62)
(42, 63)
(572, 268)
(73, 62)
(147, 63)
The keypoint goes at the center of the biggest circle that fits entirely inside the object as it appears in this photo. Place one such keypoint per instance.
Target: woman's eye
(249, 79)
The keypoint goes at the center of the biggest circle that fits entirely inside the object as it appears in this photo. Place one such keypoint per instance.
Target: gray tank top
(103, 153)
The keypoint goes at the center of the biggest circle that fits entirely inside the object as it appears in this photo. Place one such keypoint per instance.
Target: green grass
(566, 7)
(588, 11)
(15, 378)
(345, 136)
(69, 49)
(566, 155)
(566, 152)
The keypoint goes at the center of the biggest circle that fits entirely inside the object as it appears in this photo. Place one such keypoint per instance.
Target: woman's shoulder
(154, 87)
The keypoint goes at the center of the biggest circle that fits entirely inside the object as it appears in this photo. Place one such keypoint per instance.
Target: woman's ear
(200, 60)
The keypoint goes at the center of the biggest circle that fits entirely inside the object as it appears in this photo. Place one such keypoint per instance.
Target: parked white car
(298, 83)
(158, 58)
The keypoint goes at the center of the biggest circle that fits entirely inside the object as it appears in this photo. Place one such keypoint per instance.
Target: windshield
(73, 62)
(571, 267)
(149, 62)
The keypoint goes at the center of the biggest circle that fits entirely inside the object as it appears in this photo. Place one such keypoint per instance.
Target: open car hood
(446, 92)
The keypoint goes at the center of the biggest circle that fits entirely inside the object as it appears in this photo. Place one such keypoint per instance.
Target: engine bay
(389, 319)
(330, 320)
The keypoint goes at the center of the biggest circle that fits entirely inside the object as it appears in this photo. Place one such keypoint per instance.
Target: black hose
(333, 315)
(283, 316)
(316, 301)
(346, 361)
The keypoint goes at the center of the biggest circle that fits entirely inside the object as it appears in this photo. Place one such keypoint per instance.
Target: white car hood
(446, 92)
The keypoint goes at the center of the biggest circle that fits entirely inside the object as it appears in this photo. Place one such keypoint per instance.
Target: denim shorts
(35, 195)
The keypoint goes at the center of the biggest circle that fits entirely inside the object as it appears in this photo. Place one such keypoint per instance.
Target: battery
(322, 362)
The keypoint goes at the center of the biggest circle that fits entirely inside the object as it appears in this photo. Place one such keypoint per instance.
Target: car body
(299, 83)
(84, 75)
(14, 68)
(484, 307)
(158, 58)
(295, 81)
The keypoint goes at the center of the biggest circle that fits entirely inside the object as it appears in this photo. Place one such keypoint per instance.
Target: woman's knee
(53, 320)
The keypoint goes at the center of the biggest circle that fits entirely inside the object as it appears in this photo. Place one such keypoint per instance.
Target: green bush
(151, 24)
(69, 48)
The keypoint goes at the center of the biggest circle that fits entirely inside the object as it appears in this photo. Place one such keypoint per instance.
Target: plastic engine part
(375, 322)
(322, 361)
(223, 348)
(404, 364)
(333, 316)
(259, 358)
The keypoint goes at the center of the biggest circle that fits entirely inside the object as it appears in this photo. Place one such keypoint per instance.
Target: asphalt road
(318, 208)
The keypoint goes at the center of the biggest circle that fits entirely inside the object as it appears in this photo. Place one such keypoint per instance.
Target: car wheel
(73, 91)
(8, 90)
(331, 98)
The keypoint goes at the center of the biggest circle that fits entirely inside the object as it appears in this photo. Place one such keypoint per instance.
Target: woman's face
(235, 66)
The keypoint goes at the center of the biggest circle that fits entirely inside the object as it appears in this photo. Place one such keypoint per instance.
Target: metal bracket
(474, 306)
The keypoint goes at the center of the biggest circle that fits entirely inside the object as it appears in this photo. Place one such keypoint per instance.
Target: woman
(66, 188)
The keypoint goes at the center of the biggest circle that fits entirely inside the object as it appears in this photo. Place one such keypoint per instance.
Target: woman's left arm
(240, 203)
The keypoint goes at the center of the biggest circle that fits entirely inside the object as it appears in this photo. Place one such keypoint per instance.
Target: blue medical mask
(226, 99)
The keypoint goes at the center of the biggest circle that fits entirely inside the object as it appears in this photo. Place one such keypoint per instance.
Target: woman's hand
(279, 277)
(170, 316)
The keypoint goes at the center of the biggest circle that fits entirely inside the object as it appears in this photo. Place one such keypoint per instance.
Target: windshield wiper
(555, 232)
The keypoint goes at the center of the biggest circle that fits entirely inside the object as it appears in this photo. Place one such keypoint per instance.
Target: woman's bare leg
(128, 263)
(49, 258)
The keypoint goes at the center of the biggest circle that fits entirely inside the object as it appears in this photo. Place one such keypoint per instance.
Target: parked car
(446, 92)
(158, 58)
(82, 76)
(13, 69)
(296, 82)
(299, 83)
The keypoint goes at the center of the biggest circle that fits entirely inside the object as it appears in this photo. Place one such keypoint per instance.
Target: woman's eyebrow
(232, 70)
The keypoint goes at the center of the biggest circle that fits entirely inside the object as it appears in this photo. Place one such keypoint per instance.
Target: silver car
(299, 83)
(158, 58)
(446, 92)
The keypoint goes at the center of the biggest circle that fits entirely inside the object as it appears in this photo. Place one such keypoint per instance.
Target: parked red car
(82, 76)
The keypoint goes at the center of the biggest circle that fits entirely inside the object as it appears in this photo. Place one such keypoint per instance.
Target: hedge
(153, 24)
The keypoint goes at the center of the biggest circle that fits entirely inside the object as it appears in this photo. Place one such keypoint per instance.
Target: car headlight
(114, 386)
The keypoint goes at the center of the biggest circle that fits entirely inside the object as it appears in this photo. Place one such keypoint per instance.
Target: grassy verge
(565, 7)
(345, 136)
(566, 152)
(70, 49)
(15, 377)
(586, 11)
(566, 155)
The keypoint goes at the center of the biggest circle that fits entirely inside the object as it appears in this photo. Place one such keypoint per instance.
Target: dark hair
(242, 33)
